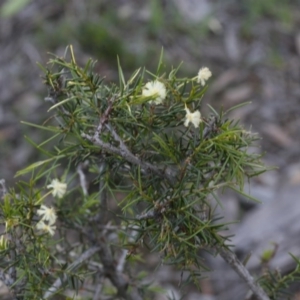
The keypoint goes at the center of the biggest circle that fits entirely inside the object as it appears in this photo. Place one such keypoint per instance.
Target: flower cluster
(194, 118)
(157, 90)
(58, 188)
(203, 75)
(46, 223)
(48, 214)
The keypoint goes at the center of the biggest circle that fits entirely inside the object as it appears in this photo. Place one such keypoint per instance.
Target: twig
(122, 258)
(240, 269)
(118, 279)
(117, 138)
(73, 266)
(102, 194)
(210, 127)
(98, 289)
(127, 155)
(9, 278)
(82, 178)
(110, 269)
(151, 214)
(104, 118)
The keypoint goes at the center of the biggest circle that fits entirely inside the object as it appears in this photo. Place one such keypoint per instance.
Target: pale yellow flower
(48, 228)
(155, 89)
(194, 117)
(203, 75)
(48, 214)
(58, 188)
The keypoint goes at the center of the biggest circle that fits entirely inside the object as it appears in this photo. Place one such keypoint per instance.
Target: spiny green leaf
(36, 165)
(121, 75)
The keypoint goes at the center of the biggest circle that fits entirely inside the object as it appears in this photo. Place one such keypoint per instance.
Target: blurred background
(253, 50)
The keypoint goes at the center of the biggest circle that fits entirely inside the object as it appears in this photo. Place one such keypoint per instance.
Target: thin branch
(110, 268)
(103, 194)
(73, 266)
(82, 178)
(122, 258)
(151, 214)
(98, 288)
(104, 118)
(240, 269)
(127, 155)
(117, 138)
(9, 279)
(118, 279)
(210, 127)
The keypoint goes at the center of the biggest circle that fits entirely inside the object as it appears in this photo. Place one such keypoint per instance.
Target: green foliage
(32, 251)
(201, 161)
(277, 285)
(155, 171)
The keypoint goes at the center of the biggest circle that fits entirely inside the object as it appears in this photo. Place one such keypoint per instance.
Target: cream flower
(48, 228)
(194, 117)
(203, 75)
(59, 188)
(48, 214)
(155, 89)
